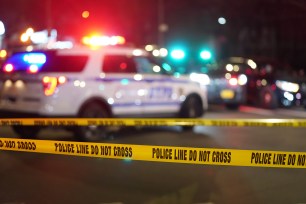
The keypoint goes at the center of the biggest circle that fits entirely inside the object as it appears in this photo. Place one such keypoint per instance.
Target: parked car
(270, 83)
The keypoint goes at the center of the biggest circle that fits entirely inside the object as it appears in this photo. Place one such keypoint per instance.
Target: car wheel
(92, 133)
(268, 99)
(26, 132)
(232, 106)
(191, 108)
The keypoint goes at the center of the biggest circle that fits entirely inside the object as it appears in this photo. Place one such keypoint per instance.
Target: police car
(111, 81)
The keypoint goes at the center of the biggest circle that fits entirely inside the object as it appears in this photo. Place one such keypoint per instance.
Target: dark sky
(254, 27)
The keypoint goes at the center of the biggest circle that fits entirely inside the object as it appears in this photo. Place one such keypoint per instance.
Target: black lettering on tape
(39, 122)
(64, 147)
(261, 158)
(180, 154)
(106, 150)
(162, 153)
(1, 143)
(26, 145)
(221, 157)
(123, 151)
(10, 144)
(291, 159)
(82, 149)
(301, 160)
(204, 156)
(279, 159)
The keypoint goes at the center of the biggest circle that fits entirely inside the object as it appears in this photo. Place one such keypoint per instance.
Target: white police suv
(111, 81)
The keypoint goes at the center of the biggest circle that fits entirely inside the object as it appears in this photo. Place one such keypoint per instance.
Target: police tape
(153, 122)
(184, 155)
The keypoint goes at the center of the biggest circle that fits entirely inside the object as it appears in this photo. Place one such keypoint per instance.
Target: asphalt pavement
(42, 178)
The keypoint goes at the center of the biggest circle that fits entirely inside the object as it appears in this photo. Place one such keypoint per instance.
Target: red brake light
(50, 84)
(8, 68)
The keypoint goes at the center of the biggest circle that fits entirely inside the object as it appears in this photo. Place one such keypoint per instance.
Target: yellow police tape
(186, 155)
(154, 122)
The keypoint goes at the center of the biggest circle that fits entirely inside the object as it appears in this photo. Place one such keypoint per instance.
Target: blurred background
(272, 28)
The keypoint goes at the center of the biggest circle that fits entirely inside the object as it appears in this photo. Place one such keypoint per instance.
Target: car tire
(26, 132)
(268, 99)
(92, 133)
(191, 108)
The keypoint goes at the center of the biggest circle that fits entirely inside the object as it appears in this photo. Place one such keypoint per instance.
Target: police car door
(161, 91)
(124, 84)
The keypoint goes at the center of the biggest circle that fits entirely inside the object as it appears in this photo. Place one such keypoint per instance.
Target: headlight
(242, 79)
(287, 86)
(203, 79)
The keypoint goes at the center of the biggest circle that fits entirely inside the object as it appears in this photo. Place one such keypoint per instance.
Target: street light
(2, 31)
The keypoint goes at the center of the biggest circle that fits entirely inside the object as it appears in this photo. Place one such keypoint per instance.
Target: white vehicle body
(144, 91)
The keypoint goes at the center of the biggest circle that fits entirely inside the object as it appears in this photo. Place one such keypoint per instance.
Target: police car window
(150, 66)
(51, 63)
(144, 65)
(118, 64)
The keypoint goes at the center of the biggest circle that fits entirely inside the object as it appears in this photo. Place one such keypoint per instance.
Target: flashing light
(177, 54)
(97, 41)
(8, 68)
(163, 52)
(252, 64)
(35, 58)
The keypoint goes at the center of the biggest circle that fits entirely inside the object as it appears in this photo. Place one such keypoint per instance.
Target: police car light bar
(103, 40)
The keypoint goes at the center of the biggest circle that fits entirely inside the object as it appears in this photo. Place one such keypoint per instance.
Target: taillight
(8, 68)
(50, 84)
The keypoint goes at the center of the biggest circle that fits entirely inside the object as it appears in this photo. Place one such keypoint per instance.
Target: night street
(42, 178)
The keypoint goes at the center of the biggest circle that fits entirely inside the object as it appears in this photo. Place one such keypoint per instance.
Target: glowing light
(229, 67)
(137, 52)
(3, 53)
(205, 55)
(264, 82)
(35, 58)
(289, 96)
(287, 86)
(85, 14)
(163, 52)
(242, 79)
(222, 20)
(177, 54)
(62, 80)
(124, 81)
(156, 53)
(2, 28)
(24, 37)
(149, 48)
(8, 68)
(233, 81)
(33, 68)
(110, 101)
(228, 75)
(236, 68)
(156, 68)
(138, 77)
(252, 64)
(19, 84)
